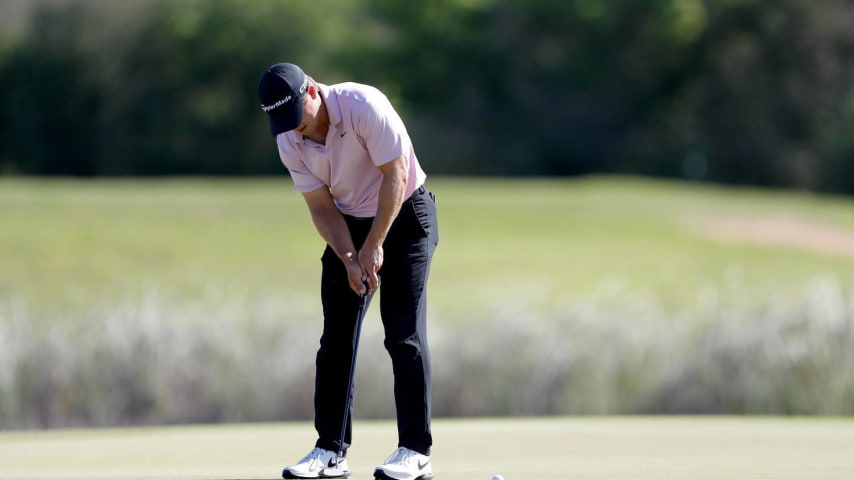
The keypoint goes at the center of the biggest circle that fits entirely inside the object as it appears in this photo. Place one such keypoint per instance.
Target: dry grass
(617, 352)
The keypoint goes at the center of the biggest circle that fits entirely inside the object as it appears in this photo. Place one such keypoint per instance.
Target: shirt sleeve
(382, 129)
(304, 180)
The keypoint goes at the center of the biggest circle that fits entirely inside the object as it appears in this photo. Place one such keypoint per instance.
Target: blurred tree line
(757, 92)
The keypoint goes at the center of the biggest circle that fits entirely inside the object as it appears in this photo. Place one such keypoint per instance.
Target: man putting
(349, 154)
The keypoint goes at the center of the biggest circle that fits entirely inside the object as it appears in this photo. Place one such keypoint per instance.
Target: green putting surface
(660, 448)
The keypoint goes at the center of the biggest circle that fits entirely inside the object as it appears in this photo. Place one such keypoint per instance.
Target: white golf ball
(497, 477)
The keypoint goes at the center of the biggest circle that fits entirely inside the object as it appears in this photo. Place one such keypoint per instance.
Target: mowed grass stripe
(606, 448)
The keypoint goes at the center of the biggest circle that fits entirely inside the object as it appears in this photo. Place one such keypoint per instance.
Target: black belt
(418, 191)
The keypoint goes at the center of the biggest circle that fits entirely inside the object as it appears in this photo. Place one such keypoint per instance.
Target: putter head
(336, 471)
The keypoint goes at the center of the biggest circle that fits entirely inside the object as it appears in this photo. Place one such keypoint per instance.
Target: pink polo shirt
(365, 131)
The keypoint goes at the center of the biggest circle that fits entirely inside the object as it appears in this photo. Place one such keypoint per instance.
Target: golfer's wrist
(373, 242)
(349, 257)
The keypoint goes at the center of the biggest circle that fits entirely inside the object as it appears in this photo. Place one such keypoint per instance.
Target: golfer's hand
(354, 276)
(371, 260)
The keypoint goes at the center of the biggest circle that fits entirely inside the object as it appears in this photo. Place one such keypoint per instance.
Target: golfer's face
(310, 120)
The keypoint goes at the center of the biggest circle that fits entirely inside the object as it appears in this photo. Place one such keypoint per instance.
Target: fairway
(70, 246)
(594, 448)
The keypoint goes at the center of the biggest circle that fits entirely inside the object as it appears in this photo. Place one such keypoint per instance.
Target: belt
(418, 191)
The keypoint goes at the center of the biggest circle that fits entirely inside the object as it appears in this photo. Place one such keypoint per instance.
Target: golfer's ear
(312, 90)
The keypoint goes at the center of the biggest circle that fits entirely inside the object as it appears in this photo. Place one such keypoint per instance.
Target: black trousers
(407, 255)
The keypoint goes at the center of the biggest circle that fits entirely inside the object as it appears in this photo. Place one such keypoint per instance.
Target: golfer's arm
(330, 224)
(392, 189)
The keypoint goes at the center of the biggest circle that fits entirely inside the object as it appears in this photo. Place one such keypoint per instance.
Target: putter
(364, 300)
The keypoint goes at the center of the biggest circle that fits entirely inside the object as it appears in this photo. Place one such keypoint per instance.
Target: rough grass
(611, 448)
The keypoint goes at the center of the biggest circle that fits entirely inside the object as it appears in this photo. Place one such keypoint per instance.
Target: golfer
(349, 154)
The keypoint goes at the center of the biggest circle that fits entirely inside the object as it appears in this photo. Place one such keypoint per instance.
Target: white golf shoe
(319, 463)
(405, 464)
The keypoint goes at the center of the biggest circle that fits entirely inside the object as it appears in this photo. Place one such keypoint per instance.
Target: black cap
(280, 91)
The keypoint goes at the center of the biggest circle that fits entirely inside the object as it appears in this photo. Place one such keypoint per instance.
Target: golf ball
(497, 477)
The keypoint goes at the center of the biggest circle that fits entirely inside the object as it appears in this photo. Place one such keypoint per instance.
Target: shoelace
(401, 455)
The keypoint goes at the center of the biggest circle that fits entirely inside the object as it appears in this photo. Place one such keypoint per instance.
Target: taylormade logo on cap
(280, 93)
(287, 99)
(281, 102)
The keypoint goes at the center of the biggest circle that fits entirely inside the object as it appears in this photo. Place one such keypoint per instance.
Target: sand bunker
(786, 231)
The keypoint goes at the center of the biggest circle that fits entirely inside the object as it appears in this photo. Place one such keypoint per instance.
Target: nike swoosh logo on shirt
(345, 133)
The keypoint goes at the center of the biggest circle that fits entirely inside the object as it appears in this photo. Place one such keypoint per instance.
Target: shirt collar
(333, 108)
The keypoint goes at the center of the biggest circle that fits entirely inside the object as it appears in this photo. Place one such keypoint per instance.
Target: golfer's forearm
(333, 229)
(392, 190)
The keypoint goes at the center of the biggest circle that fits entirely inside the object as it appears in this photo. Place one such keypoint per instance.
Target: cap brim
(287, 119)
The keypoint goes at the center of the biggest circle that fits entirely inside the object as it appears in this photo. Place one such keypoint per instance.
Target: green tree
(154, 87)
(735, 91)
(765, 98)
